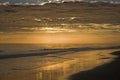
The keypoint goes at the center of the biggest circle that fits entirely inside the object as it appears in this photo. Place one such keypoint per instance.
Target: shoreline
(54, 67)
(44, 52)
(108, 71)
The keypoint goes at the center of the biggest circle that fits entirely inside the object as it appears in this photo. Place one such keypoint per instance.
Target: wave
(43, 52)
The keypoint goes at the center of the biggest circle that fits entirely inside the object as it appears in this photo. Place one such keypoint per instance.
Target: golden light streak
(49, 29)
(55, 38)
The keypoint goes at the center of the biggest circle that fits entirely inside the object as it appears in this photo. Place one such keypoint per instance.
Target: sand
(54, 66)
(109, 71)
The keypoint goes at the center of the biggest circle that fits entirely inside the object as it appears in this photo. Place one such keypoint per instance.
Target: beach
(59, 66)
(109, 71)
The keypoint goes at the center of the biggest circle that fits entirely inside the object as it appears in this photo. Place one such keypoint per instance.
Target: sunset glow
(54, 38)
(59, 39)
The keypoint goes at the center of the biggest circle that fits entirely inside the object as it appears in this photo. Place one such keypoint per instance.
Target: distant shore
(109, 71)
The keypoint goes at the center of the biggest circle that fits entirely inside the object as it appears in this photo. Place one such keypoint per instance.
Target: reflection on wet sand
(56, 71)
(58, 67)
(62, 70)
(51, 72)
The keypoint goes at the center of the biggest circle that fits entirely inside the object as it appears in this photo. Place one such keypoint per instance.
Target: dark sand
(109, 71)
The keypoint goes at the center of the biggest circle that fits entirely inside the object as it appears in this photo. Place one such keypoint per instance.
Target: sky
(50, 35)
(16, 1)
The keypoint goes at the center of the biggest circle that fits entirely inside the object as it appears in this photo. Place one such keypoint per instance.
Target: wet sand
(109, 71)
(53, 66)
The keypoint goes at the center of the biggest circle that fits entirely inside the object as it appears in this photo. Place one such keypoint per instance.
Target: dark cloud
(17, 1)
